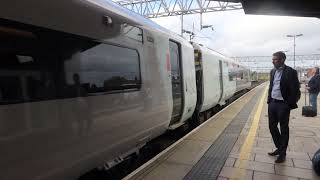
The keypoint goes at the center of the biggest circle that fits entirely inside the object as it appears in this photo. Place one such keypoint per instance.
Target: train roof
(225, 58)
(81, 17)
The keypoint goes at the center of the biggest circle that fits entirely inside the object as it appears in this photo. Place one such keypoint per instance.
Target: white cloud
(237, 34)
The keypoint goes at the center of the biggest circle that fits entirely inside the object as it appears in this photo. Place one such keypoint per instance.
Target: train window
(232, 76)
(231, 72)
(239, 74)
(132, 32)
(246, 75)
(40, 64)
(104, 68)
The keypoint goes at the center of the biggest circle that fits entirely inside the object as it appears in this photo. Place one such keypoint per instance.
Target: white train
(86, 83)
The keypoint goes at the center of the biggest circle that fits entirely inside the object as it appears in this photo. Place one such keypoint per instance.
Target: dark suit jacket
(289, 86)
(314, 84)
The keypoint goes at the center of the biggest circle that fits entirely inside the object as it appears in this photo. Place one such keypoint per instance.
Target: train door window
(197, 59)
(175, 64)
(229, 68)
(231, 72)
(40, 64)
(176, 81)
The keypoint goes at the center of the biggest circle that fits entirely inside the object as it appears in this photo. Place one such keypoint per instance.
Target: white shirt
(276, 92)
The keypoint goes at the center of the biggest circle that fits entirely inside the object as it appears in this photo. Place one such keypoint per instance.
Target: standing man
(314, 88)
(284, 93)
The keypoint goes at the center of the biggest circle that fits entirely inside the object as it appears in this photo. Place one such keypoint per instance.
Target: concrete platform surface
(248, 158)
(254, 163)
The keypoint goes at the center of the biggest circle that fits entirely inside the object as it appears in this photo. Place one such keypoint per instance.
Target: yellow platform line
(248, 143)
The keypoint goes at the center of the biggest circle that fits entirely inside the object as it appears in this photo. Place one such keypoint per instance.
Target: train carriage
(88, 83)
(218, 79)
(86, 86)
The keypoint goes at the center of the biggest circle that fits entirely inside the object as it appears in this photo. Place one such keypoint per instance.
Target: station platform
(233, 144)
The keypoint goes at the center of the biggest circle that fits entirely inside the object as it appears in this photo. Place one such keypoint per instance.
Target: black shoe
(281, 159)
(276, 152)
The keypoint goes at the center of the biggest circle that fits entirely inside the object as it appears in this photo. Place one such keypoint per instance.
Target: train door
(176, 80)
(220, 80)
(199, 78)
(199, 83)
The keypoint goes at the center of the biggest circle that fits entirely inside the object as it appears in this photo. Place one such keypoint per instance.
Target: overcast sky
(237, 34)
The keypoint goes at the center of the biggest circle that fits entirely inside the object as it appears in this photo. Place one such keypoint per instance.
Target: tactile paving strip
(211, 163)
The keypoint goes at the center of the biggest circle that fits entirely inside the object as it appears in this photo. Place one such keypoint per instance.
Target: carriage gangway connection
(233, 144)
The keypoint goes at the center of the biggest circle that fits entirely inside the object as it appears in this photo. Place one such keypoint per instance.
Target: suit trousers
(313, 100)
(279, 112)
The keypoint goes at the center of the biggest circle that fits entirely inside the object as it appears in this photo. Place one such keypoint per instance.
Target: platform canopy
(305, 8)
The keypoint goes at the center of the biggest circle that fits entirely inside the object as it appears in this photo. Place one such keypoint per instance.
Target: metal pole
(294, 52)
(201, 21)
(192, 33)
(181, 24)
(192, 27)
